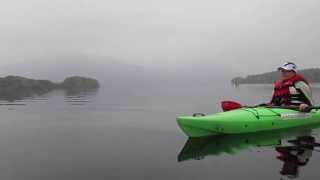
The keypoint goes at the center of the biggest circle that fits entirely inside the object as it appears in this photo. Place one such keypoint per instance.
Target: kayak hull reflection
(199, 148)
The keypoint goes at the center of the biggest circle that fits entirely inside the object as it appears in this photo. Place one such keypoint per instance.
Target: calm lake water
(131, 133)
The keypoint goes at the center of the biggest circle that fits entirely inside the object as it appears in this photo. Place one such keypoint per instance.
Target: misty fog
(165, 38)
(134, 85)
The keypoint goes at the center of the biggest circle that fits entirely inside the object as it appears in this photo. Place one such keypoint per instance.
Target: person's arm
(272, 101)
(306, 90)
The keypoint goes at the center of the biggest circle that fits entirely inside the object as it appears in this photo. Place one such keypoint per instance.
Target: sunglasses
(286, 71)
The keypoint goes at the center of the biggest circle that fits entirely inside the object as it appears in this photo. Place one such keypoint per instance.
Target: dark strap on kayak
(198, 114)
(278, 114)
(255, 112)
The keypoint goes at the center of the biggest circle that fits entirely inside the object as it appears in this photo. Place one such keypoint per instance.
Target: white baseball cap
(288, 66)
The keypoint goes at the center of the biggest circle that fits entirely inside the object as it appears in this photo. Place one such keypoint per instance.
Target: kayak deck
(246, 120)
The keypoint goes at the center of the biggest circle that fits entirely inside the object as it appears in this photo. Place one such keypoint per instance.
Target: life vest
(286, 94)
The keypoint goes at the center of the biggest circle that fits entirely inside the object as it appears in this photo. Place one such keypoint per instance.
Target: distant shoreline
(17, 87)
(312, 75)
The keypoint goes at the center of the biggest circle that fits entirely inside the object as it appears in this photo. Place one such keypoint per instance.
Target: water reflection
(296, 155)
(11, 96)
(79, 97)
(294, 147)
(71, 97)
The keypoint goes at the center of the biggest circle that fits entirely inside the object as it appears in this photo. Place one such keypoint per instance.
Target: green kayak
(246, 120)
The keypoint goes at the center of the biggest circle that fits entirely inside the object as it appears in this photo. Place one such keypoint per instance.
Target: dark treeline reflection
(79, 96)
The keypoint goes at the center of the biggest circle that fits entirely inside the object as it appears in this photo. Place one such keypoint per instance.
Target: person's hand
(303, 107)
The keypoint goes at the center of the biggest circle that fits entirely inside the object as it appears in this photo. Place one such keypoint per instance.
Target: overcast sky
(243, 36)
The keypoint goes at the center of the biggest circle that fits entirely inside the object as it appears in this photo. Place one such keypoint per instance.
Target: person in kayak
(292, 89)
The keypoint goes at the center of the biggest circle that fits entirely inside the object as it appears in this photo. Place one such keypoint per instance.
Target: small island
(16, 87)
(312, 75)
